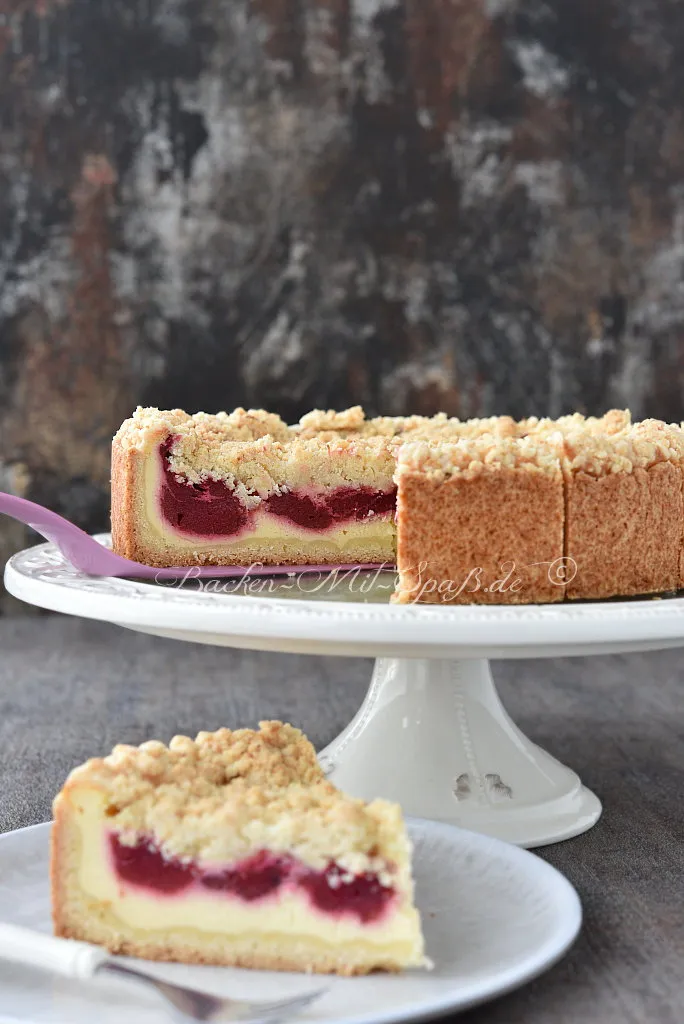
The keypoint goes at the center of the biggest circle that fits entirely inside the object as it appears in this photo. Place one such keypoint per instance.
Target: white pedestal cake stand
(431, 733)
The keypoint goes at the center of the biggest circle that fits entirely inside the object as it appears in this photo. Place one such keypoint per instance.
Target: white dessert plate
(495, 916)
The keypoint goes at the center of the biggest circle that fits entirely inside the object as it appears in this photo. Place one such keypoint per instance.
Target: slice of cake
(232, 849)
(232, 490)
(624, 510)
(480, 521)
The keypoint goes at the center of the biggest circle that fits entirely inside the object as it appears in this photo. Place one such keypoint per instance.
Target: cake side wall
(493, 539)
(125, 500)
(72, 917)
(624, 531)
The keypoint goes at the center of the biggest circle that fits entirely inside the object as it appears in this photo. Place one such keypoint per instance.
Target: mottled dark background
(468, 205)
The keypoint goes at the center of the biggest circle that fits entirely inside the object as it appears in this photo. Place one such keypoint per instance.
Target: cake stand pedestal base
(433, 735)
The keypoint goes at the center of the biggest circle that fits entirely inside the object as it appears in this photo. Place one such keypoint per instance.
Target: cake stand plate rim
(40, 575)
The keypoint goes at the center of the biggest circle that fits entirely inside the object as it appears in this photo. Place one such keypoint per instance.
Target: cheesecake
(194, 490)
(232, 849)
(489, 510)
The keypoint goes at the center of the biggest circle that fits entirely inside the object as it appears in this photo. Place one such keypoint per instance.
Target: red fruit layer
(211, 509)
(331, 890)
(208, 509)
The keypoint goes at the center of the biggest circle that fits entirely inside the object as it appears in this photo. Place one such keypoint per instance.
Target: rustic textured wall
(473, 205)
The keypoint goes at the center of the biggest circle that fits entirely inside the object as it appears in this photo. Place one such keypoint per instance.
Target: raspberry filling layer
(209, 509)
(212, 509)
(332, 891)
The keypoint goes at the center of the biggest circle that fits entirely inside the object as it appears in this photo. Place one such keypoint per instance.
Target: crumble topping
(266, 466)
(328, 419)
(147, 426)
(671, 435)
(325, 425)
(394, 426)
(569, 442)
(224, 794)
(613, 422)
(389, 427)
(257, 454)
(277, 753)
(469, 457)
(452, 429)
(638, 447)
(251, 424)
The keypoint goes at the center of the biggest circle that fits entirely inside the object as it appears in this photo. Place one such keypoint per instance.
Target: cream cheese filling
(375, 531)
(289, 913)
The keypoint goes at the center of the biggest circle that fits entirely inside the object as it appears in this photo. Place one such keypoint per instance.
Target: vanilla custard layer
(217, 913)
(376, 531)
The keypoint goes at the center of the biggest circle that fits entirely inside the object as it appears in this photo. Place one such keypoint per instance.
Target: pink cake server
(90, 556)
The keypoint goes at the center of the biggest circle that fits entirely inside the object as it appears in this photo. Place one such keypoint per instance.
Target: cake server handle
(61, 956)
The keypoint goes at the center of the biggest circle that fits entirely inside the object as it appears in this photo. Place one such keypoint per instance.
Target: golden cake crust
(452, 550)
(624, 531)
(624, 510)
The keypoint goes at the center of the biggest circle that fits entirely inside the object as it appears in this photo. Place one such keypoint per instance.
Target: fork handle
(60, 956)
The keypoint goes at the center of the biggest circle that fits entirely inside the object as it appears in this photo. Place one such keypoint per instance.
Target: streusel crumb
(638, 447)
(328, 419)
(151, 425)
(266, 466)
(224, 794)
(276, 755)
(615, 421)
(468, 457)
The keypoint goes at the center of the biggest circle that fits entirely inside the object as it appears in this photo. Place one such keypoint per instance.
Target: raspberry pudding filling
(206, 509)
(321, 511)
(212, 508)
(332, 891)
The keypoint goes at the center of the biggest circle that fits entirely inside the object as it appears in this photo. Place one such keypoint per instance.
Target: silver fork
(74, 959)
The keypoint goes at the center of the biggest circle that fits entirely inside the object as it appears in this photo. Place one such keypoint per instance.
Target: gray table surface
(70, 689)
